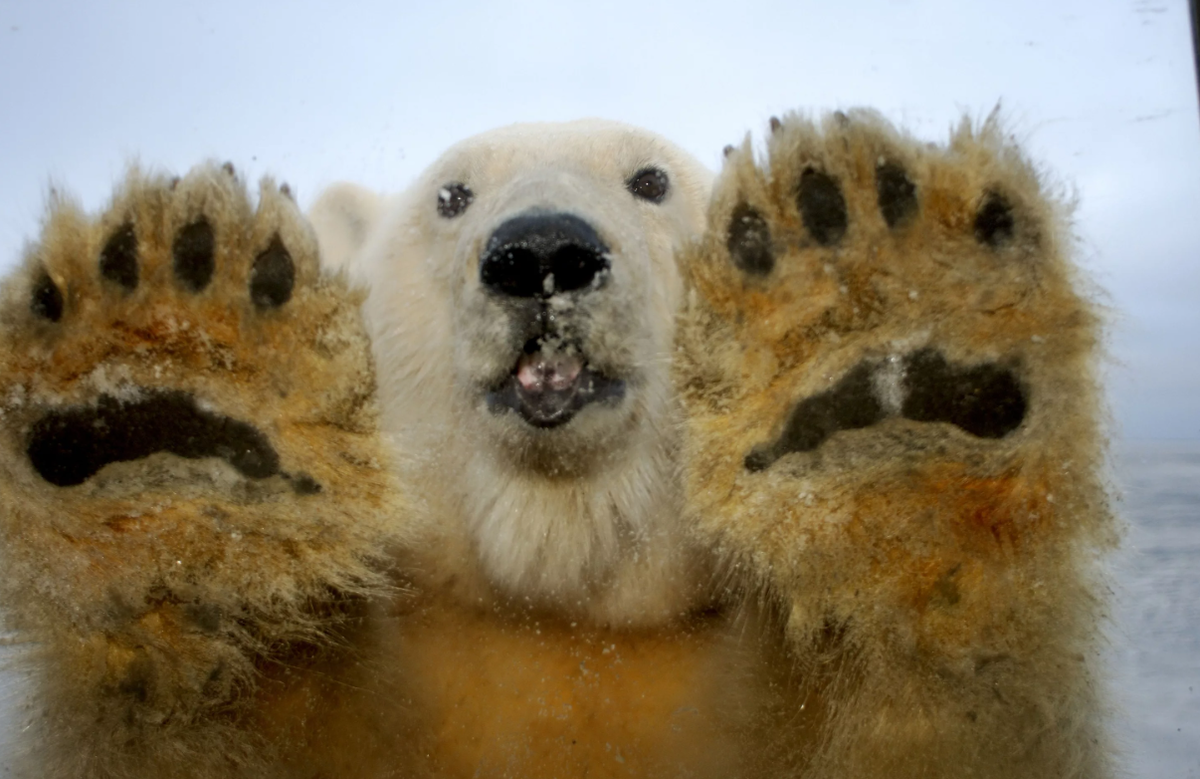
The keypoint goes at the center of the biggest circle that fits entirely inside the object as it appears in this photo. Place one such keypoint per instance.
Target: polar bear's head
(522, 297)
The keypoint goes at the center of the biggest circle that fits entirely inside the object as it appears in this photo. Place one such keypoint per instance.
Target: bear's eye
(649, 184)
(453, 199)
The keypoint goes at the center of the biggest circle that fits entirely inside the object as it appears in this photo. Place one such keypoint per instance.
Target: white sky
(1102, 91)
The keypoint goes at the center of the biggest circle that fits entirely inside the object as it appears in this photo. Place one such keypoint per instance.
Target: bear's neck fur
(605, 546)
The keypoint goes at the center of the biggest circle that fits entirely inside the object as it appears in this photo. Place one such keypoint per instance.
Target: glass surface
(1102, 92)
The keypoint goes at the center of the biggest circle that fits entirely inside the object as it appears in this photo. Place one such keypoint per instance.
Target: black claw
(775, 124)
(118, 258)
(193, 255)
(728, 150)
(897, 193)
(273, 276)
(46, 300)
(749, 241)
(994, 221)
(229, 169)
(822, 206)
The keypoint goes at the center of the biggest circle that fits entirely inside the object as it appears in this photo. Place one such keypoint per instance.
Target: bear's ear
(343, 217)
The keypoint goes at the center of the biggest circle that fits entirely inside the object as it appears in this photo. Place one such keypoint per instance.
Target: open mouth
(550, 384)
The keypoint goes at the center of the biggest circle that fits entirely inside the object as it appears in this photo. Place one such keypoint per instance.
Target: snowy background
(1101, 91)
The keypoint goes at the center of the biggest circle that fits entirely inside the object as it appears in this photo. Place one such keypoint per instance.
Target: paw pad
(822, 206)
(985, 401)
(118, 258)
(849, 405)
(192, 254)
(68, 447)
(749, 241)
(46, 299)
(273, 276)
(994, 223)
(897, 195)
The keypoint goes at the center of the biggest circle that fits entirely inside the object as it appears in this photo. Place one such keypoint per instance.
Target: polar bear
(570, 460)
(541, 372)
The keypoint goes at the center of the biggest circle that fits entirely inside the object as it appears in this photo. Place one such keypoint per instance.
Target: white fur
(581, 518)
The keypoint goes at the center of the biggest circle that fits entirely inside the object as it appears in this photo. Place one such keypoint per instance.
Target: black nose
(539, 254)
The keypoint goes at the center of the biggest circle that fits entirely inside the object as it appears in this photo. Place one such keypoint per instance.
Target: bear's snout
(539, 254)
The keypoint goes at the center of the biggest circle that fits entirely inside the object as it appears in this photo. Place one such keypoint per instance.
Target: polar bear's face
(557, 244)
(522, 301)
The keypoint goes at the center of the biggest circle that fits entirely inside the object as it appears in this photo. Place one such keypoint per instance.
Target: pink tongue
(538, 373)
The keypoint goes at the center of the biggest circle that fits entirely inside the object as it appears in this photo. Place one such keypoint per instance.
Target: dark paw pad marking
(273, 276)
(822, 206)
(848, 405)
(46, 301)
(192, 255)
(984, 400)
(897, 195)
(118, 258)
(994, 221)
(749, 241)
(68, 447)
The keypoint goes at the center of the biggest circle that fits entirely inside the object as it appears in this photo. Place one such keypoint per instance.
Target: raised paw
(190, 467)
(888, 373)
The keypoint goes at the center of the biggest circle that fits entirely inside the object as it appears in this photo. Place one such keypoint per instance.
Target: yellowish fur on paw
(888, 370)
(191, 467)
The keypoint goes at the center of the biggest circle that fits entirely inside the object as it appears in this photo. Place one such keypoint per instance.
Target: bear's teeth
(537, 372)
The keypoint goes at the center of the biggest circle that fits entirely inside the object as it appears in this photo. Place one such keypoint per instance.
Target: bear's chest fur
(444, 690)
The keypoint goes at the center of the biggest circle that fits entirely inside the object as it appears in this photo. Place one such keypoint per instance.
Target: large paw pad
(983, 400)
(68, 447)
